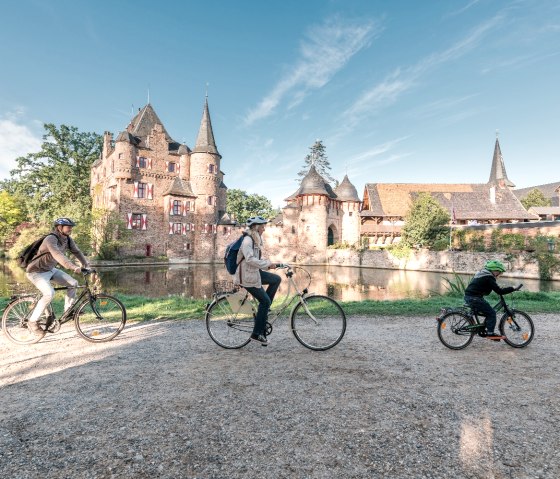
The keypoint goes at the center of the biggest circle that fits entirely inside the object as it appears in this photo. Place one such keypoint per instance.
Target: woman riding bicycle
(482, 284)
(251, 276)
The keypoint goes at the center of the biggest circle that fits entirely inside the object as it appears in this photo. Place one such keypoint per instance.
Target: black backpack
(27, 256)
(230, 256)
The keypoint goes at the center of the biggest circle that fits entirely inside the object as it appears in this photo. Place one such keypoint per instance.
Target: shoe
(260, 338)
(34, 328)
(495, 336)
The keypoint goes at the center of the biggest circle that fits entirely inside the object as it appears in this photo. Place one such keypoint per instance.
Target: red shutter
(177, 168)
(149, 163)
(135, 194)
(137, 161)
(170, 228)
(214, 229)
(184, 229)
(170, 206)
(150, 191)
(184, 207)
(144, 222)
(192, 226)
(129, 221)
(167, 166)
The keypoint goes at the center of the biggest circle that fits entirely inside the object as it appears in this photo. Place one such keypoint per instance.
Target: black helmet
(64, 222)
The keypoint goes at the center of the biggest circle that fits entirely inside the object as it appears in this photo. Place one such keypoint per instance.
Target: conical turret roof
(498, 175)
(205, 141)
(313, 184)
(346, 191)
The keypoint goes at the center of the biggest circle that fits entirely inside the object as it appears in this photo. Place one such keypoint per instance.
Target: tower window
(177, 228)
(211, 169)
(136, 221)
(142, 162)
(210, 200)
(176, 207)
(142, 190)
(171, 167)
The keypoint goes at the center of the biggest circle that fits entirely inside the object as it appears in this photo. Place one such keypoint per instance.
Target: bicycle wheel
(518, 329)
(100, 318)
(14, 321)
(454, 330)
(228, 329)
(318, 322)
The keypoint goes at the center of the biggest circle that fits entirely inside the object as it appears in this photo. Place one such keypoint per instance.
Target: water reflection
(197, 281)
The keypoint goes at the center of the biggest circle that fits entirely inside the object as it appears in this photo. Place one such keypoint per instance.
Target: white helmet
(256, 220)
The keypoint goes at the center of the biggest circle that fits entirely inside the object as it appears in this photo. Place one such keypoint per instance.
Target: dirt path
(163, 401)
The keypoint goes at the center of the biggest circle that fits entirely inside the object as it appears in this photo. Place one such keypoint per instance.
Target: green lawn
(140, 308)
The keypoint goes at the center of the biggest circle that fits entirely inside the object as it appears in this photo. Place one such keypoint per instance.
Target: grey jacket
(55, 248)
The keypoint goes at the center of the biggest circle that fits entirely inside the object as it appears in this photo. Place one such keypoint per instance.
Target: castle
(173, 199)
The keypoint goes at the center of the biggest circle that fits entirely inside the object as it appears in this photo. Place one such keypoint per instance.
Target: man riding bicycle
(482, 284)
(42, 269)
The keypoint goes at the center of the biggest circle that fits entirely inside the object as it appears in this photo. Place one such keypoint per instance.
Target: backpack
(27, 256)
(230, 256)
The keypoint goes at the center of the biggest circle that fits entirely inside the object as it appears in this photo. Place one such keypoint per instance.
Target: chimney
(493, 195)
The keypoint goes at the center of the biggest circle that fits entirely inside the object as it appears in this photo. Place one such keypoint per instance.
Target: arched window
(330, 237)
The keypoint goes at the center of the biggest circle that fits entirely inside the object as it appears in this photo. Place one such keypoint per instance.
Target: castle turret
(205, 180)
(124, 155)
(346, 192)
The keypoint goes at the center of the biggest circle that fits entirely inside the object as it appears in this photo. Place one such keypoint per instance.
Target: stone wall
(521, 266)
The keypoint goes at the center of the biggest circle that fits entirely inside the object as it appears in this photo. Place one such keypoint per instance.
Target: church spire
(205, 141)
(498, 175)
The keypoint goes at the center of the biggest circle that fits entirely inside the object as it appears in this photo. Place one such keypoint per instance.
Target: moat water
(197, 281)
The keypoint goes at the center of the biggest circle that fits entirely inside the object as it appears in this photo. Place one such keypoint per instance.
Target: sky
(399, 91)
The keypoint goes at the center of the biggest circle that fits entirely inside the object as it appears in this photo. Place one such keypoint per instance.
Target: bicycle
(98, 317)
(318, 322)
(456, 327)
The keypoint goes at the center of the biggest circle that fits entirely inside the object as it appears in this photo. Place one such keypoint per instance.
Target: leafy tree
(55, 181)
(426, 223)
(318, 158)
(535, 197)
(241, 206)
(11, 215)
(109, 233)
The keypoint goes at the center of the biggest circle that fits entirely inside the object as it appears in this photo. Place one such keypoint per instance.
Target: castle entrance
(330, 237)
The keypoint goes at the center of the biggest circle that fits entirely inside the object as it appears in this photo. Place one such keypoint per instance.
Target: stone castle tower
(169, 196)
(317, 216)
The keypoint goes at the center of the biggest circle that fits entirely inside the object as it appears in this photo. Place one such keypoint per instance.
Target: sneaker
(260, 338)
(495, 336)
(34, 328)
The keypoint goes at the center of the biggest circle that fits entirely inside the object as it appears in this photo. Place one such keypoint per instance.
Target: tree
(426, 223)
(11, 215)
(241, 206)
(55, 181)
(109, 233)
(535, 197)
(318, 158)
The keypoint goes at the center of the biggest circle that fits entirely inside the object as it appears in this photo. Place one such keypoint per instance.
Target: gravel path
(163, 401)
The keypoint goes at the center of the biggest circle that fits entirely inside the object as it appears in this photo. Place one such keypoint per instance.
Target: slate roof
(313, 184)
(470, 201)
(549, 190)
(142, 125)
(346, 191)
(205, 142)
(498, 175)
(180, 187)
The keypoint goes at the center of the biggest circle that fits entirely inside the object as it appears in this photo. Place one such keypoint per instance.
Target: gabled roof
(469, 201)
(205, 141)
(549, 190)
(498, 175)
(142, 125)
(180, 187)
(346, 191)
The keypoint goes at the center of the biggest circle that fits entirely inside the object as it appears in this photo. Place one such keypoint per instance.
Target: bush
(26, 236)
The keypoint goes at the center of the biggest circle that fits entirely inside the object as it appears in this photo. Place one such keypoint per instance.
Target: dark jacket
(55, 248)
(483, 283)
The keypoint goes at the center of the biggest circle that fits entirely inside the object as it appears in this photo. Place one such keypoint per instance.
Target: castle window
(176, 207)
(210, 200)
(142, 189)
(120, 156)
(136, 221)
(177, 228)
(349, 213)
(141, 162)
(211, 169)
(171, 167)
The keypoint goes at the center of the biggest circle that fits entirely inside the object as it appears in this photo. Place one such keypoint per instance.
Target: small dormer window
(171, 167)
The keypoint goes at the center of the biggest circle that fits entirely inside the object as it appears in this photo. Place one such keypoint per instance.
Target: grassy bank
(140, 308)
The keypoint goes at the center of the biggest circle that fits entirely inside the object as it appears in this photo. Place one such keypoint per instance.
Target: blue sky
(398, 91)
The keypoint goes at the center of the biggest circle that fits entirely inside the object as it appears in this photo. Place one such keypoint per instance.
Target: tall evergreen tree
(317, 157)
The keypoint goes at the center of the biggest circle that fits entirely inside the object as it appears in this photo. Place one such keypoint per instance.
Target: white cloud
(16, 139)
(402, 80)
(327, 48)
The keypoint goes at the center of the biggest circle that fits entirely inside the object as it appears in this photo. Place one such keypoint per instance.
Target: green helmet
(494, 265)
